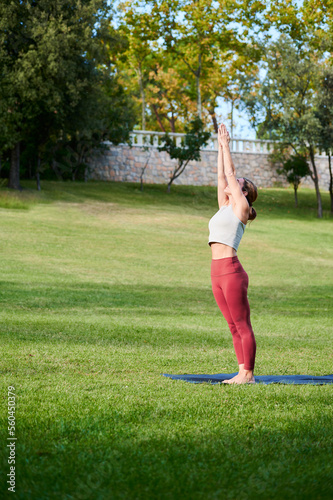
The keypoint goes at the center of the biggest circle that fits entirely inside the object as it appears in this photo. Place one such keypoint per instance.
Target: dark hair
(252, 195)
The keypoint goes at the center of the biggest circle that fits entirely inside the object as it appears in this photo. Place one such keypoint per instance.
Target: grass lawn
(103, 289)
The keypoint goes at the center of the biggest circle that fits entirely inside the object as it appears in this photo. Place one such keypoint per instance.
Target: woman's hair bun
(253, 214)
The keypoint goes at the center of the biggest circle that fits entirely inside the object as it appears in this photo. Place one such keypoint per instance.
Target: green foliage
(58, 89)
(44, 66)
(294, 169)
(324, 109)
(196, 52)
(286, 96)
(286, 100)
(194, 140)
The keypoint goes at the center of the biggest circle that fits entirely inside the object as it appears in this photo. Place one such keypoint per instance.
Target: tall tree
(204, 44)
(324, 113)
(286, 101)
(198, 32)
(229, 78)
(141, 30)
(169, 95)
(48, 62)
(194, 40)
(310, 23)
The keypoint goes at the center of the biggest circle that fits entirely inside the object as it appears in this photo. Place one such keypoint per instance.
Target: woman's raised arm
(230, 171)
(221, 178)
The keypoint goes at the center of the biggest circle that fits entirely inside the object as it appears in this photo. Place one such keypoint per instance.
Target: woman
(229, 280)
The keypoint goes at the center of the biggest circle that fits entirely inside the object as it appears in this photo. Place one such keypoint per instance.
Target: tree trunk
(213, 117)
(295, 193)
(14, 172)
(143, 170)
(198, 88)
(143, 99)
(331, 181)
(173, 123)
(158, 118)
(232, 120)
(269, 113)
(314, 177)
(56, 170)
(37, 173)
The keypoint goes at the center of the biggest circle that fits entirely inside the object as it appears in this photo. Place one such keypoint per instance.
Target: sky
(242, 127)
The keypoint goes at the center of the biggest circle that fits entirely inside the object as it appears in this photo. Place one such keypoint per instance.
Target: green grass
(103, 288)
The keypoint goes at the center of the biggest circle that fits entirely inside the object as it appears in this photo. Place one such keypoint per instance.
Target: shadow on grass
(189, 455)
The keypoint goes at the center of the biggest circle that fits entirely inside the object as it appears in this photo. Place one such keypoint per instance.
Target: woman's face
(241, 184)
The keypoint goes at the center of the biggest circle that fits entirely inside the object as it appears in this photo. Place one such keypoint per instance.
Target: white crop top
(225, 227)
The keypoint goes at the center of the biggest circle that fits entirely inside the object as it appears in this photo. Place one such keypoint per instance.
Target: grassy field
(103, 289)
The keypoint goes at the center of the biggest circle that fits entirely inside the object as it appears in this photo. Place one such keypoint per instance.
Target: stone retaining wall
(125, 164)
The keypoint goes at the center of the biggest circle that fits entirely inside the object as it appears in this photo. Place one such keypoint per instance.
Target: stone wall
(124, 164)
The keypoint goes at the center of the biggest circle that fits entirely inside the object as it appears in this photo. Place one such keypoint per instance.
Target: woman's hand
(223, 135)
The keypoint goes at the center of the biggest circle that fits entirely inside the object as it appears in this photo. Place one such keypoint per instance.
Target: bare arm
(229, 169)
(221, 178)
(239, 201)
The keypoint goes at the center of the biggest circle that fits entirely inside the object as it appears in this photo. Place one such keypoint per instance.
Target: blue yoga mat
(260, 379)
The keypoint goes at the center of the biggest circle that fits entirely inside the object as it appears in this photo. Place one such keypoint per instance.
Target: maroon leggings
(229, 284)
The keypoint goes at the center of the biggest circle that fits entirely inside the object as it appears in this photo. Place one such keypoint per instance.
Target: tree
(228, 78)
(286, 101)
(310, 23)
(141, 31)
(197, 32)
(194, 140)
(294, 169)
(324, 113)
(169, 97)
(306, 23)
(185, 52)
(48, 62)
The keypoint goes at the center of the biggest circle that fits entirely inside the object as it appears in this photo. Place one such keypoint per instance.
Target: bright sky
(242, 127)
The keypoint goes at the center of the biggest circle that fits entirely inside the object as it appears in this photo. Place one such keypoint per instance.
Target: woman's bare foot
(239, 381)
(231, 380)
(243, 377)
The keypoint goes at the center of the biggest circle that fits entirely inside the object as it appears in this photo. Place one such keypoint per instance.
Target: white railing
(150, 139)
